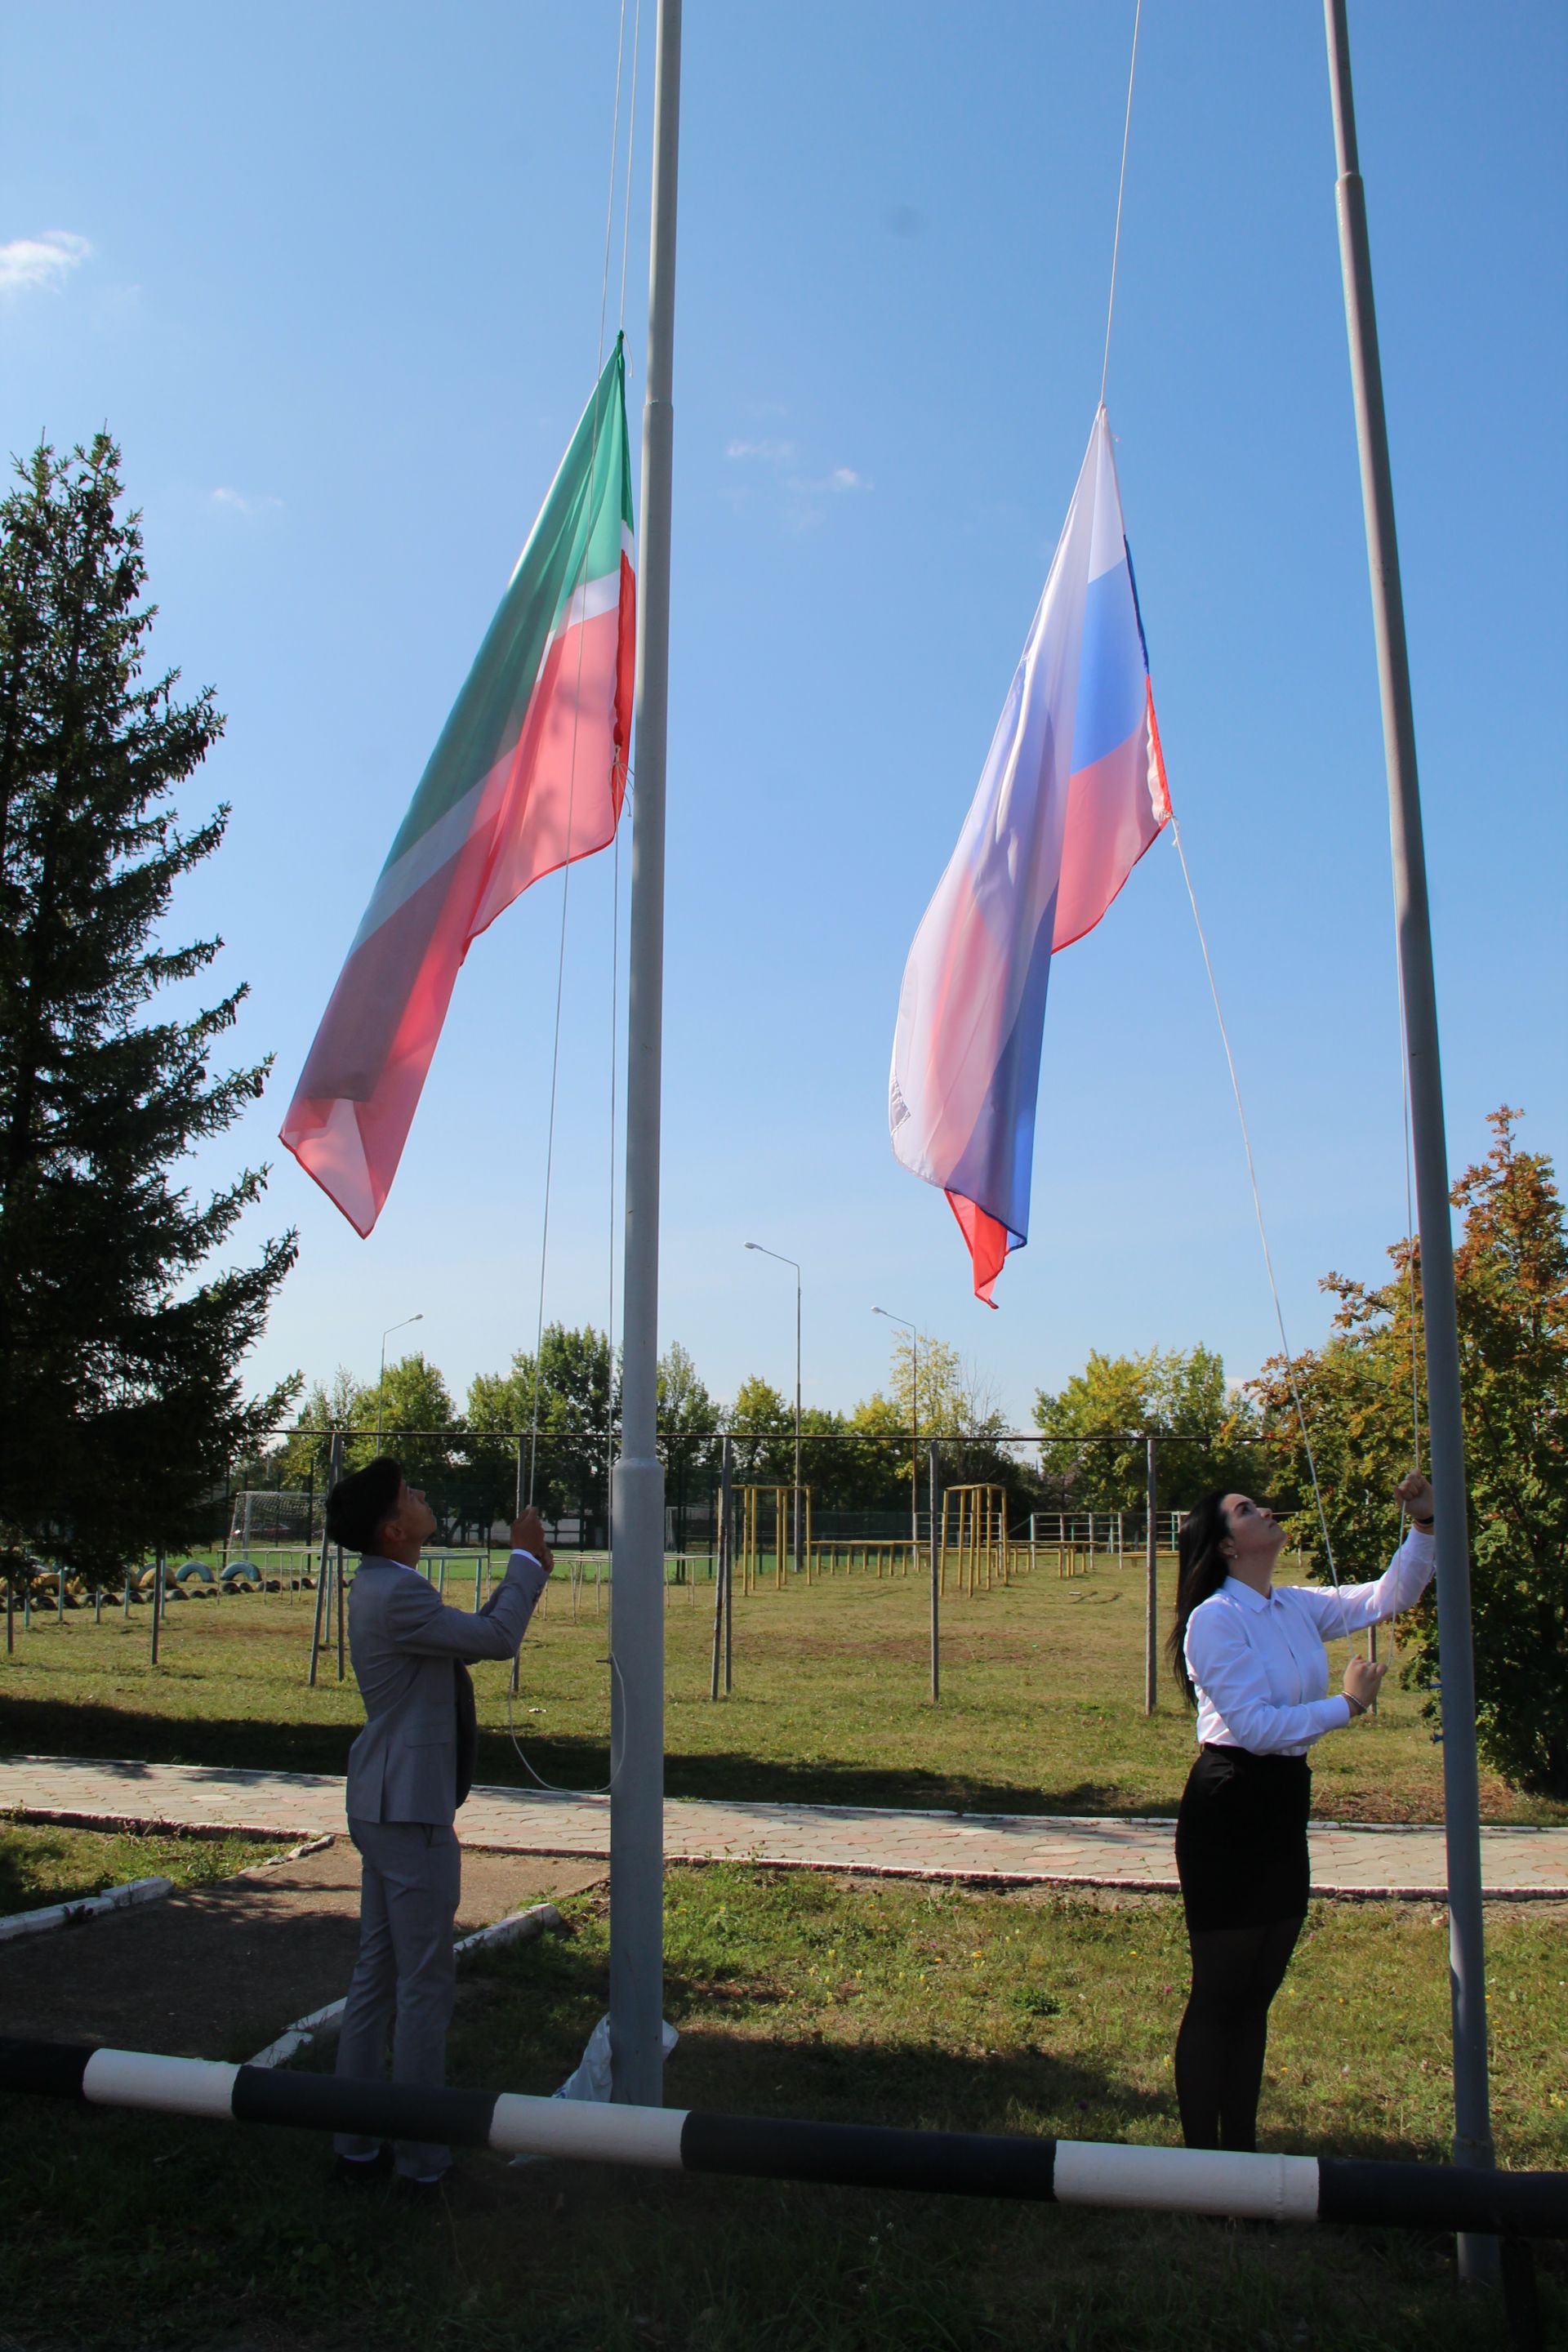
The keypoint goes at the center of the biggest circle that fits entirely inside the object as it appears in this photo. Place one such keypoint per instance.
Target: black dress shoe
(360, 2171)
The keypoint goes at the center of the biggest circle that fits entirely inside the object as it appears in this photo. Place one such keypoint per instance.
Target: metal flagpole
(1472, 2122)
(636, 1592)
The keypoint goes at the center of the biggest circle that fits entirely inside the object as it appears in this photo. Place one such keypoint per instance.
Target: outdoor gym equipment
(751, 1528)
(888, 1556)
(979, 1538)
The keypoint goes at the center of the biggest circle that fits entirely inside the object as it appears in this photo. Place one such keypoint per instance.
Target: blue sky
(333, 278)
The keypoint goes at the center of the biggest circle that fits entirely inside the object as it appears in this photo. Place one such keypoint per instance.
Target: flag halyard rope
(1121, 190)
(1262, 1229)
(572, 772)
(550, 1788)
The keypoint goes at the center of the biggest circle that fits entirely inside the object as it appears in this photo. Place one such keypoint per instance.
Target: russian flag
(1072, 793)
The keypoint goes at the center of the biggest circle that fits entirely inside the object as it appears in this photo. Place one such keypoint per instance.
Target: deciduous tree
(1510, 1272)
(1098, 1422)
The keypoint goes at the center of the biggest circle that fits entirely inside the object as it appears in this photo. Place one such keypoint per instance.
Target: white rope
(631, 151)
(1262, 1229)
(552, 1788)
(1120, 188)
(610, 205)
(572, 775)
(615, 890)
(566, 905)
(1410, 1263)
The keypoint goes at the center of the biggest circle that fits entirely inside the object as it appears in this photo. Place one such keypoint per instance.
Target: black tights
(1237, 1971)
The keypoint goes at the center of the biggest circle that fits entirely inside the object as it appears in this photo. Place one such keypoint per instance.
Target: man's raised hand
(528, 1535)
(1416, 1494)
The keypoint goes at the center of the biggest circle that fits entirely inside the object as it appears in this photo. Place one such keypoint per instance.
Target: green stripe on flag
(577, 539)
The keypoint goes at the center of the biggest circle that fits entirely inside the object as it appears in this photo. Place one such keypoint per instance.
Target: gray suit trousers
(405, 1975)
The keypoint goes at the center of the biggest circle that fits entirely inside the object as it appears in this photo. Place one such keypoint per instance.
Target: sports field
(1042, 1705)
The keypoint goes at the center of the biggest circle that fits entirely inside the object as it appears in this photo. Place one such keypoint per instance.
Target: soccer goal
(271, 1518)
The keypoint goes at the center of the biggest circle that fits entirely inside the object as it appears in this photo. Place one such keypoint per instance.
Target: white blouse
(1257, 1660)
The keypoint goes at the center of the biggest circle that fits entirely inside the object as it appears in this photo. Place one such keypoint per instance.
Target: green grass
(1041, 1708)
(41, 1864)
(796, 1994)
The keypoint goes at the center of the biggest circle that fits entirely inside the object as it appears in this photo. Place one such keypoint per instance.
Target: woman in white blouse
(1250, 1654)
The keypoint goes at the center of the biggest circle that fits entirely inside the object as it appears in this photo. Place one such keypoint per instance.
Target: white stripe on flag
(441, 842)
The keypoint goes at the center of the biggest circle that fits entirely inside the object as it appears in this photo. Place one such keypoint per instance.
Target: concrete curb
(136, 1891)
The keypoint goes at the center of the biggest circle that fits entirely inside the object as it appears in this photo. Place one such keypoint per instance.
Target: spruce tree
(122, 1399)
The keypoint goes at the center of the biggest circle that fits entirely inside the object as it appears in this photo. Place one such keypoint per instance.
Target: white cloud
(243, 502)
(787, 477)
(29, 262)
(772, 453)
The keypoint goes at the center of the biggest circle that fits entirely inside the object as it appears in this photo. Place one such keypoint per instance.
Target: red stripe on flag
(625, 675)
(987, 1243)
(557, 797)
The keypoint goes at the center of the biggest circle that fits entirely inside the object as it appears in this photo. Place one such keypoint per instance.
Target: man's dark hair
(358, 1506)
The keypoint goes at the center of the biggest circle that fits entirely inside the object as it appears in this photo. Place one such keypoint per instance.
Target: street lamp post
(914, 1421)
(381, 1378)
(799, 1519)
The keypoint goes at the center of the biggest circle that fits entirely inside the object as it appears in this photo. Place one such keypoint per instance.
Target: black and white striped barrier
(857, 2156)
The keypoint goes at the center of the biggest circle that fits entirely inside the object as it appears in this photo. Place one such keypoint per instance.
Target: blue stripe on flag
(1112, 680)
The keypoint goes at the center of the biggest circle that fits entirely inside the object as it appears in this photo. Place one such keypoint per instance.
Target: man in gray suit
(409, 1770)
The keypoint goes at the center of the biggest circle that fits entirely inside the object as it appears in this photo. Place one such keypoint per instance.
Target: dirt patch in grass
(218, 1970)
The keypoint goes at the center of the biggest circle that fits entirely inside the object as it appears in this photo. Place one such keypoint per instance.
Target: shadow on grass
(149, 2229)
(60, 1728)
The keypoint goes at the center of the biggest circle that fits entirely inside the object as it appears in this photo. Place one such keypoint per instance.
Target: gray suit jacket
(410, 1654)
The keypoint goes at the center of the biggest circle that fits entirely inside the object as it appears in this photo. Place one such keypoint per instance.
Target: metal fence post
(1151, 1570)
(324, 1571)
(721, 1573)
(935, 1581)
(157, 1602)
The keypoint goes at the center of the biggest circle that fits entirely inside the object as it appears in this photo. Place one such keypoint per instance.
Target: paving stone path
(1026, 1849)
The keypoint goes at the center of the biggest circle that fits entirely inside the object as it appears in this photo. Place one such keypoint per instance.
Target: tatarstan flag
(530, 772)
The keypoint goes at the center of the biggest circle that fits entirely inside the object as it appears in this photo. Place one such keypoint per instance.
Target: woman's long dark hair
(1203, 1570)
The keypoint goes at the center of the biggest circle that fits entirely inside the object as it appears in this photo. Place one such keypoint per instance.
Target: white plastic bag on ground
(590, 2079)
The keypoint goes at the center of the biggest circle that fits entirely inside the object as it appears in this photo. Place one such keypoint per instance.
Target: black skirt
(1241, 1839)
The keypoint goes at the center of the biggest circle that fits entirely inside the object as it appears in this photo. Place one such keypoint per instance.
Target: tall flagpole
(637, 1605)
(1461, 1805)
